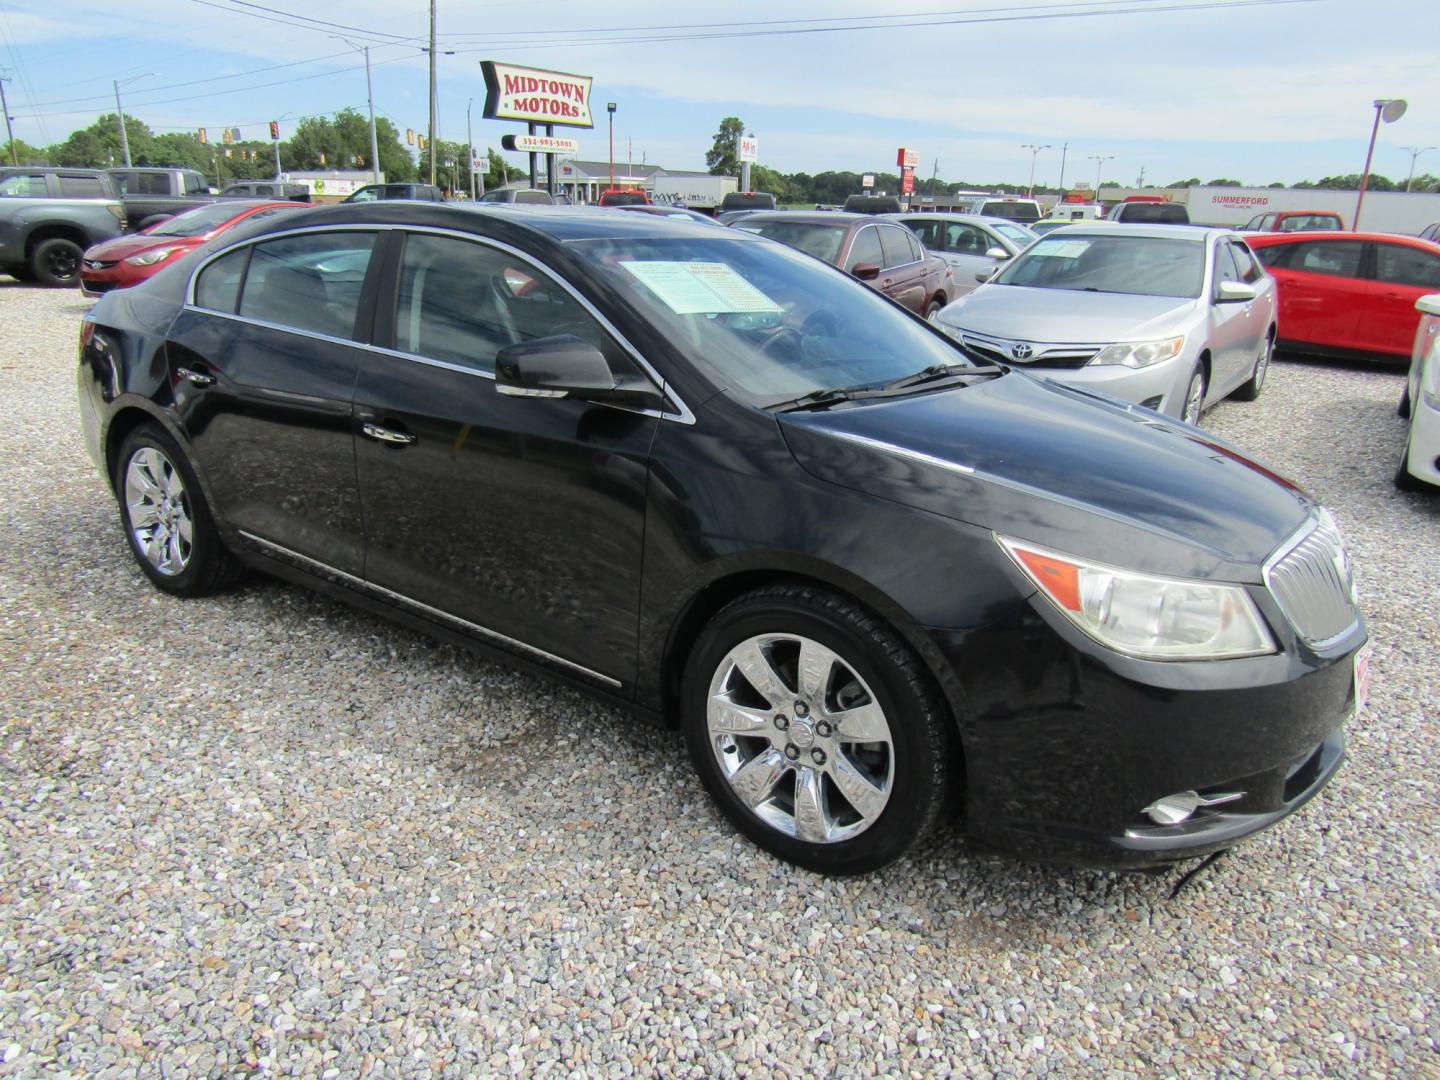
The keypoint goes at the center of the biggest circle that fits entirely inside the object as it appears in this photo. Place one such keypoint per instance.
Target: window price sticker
(700, 288)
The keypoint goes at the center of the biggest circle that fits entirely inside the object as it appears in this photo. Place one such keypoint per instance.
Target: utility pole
(14, 160)
(430, 143)
(470, 142)
(1061, 185)
(374, 145)
(124, 139)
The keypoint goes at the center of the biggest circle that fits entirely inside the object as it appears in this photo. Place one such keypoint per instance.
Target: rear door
(1230, 332)
(1320, 290)
(903, 274)
(263, 360)
(519, 520)
(1398, 275)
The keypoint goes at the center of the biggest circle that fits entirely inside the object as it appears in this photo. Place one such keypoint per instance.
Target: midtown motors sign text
(536, 96)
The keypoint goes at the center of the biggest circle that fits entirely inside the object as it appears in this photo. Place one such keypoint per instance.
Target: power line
(375, 37)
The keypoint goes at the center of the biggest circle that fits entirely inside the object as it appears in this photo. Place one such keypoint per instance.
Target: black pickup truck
(152, 195)
(49, 216)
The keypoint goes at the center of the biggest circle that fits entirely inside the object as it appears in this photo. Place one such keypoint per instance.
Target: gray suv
(49, 216)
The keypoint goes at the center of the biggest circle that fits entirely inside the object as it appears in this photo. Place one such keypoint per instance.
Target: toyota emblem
(1021, 351)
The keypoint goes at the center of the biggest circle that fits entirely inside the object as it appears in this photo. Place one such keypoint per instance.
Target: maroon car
(883, 254)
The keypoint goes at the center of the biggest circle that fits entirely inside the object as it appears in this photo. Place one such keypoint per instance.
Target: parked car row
(863, 565)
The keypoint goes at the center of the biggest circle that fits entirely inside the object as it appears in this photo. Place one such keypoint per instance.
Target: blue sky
(1259, 91)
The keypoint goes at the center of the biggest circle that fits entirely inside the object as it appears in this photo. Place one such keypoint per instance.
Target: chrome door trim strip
(433, 612)
(681, 415)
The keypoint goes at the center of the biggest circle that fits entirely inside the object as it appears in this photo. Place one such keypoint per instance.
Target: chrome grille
(992, 350)
(1312, 582)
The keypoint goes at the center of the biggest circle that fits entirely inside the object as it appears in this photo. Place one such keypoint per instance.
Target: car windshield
(1018, 233)
(822, 241)
(1137, 265)
(196, 222)
(765, 321)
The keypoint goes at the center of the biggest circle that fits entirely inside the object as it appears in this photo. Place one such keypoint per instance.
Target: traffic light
(409, 136)
(274, 130)
(204, 139)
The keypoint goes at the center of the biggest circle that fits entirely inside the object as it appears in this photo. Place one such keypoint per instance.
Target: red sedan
(129, 260)
(1349, 292)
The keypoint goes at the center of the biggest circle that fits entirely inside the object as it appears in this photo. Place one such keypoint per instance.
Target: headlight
(952, 331)
(1142, 615)
(150, 258)
(1139, 354)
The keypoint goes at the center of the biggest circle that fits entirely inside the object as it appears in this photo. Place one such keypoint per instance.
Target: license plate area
(1362, 678)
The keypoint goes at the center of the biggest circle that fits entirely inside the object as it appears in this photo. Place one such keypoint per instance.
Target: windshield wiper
(940, 371)
(823, 399)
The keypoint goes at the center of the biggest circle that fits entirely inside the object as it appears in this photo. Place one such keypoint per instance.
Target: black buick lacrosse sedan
(716, 480)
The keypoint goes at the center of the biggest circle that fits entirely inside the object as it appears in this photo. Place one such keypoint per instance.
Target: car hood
(123, 247)
(1058, 465)
(1066, 315)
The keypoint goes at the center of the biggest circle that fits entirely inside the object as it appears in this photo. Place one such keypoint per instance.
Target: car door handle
(387, 435)
(195, 378)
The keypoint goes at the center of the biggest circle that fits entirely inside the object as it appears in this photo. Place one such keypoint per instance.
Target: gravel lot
(267, 833)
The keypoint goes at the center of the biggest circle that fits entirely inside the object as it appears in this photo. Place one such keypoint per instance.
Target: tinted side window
(218, 286)
(865, 249)
(895, 243)
(968, 240)
(1336, 257)
(1245, 263)
(930, 233)
(1275, 254)
(195, 184)
(82, 187)
(544, 197)
(1399, 265)
(462, 302)
(23, 186)
(1224, 267)
(150, 183)
(308, 282)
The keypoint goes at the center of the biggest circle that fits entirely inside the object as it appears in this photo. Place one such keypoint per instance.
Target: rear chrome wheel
(166, 519)
(800, 738)
(158, 510)
(816, 729)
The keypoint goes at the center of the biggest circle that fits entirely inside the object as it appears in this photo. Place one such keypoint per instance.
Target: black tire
(207, 566)
(1250, 389)
(55, 263)
(1403, 409)
(1403, 480)
(1196, 376)
(932, 311)
(921, 756)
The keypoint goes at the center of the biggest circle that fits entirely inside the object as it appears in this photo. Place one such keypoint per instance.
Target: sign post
(907, 160)
(747, 151)
(538, 98)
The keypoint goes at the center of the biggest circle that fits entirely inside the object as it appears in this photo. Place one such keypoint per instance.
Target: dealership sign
(536, 95)
(749, 148)
(907, 158)
(540, 144)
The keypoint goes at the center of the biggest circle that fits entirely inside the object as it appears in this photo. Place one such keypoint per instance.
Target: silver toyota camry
(1171, 317)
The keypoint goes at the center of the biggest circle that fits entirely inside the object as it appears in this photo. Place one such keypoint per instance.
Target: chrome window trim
(850, 248)
(425, 608)
(681, 415)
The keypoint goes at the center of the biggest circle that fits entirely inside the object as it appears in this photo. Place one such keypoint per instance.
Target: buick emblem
(1021, 351)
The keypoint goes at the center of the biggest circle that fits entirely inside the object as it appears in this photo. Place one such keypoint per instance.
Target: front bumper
(1067, 744)
(1161, 386)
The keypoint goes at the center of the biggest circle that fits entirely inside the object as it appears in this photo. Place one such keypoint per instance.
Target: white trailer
(698, 191)
(1405, 212)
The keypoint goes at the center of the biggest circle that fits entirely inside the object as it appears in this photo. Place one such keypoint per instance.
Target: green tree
(722, 158)
(24, 154)
(1351, 182)
(1194, 181)
(98, 146)
(1223, 182)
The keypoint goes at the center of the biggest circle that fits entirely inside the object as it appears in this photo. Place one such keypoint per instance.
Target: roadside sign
(540, 144)
(536, 95)
(868, 180)
(907, 181)
(907, 158)
(1082, 185)
(749, 148)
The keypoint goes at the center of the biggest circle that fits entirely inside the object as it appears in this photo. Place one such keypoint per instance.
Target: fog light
(1173, 809)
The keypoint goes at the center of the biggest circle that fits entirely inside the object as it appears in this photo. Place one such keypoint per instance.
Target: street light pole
(124, 139)
(1415, 152)
(430, 142)
(1389, 110)
(1099, 160)
(1063, 151)
(1034, 153)
(610, 108)
(470, 142)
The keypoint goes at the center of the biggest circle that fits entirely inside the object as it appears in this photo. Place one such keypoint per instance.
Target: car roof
(558, 224)
(945, 215)
(814, 217)
(1153, 232)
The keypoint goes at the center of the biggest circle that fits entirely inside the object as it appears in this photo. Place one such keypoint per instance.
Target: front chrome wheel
(1194, 398)
(159, 511)
(800, 738)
